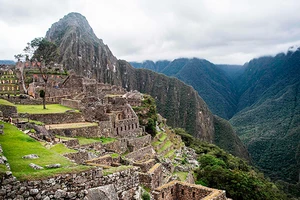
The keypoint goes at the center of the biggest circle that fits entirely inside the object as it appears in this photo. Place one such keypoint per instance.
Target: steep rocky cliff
(87, 55)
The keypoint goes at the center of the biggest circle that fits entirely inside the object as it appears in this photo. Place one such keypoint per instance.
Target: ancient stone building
(176, 190)
(9, 83)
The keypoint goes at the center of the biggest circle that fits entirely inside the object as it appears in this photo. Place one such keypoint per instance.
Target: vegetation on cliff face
(226, 138)
(221, 170)
(147, 114)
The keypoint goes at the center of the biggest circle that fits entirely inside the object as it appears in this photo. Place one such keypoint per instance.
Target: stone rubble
(30, 156)
(57, 165)
(36, 167)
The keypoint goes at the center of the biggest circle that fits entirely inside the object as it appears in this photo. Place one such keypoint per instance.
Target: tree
(43, 51)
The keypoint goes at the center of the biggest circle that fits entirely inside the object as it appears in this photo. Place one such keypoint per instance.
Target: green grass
(3, 169)
(116, 169)
(182, 175)
(83, 141)
(170, 153)
(64, 138)
(16, 144)
(114, 155)
(31, 121)
(61, 149)
(38, 109)
(166, 145)
(103, 140)
(155, 144)
(163, 137)
(6, 103)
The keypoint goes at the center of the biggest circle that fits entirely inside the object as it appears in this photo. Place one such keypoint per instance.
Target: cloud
(227, 31)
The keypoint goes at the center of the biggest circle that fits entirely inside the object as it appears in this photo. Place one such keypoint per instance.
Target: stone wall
(8, 111)
(177, 190)
(127, 128)
(141, 154)
(153, 178)
(98, 146)
(71, 143)
(190, 178)
(70, 186)
(104, 160)
(119, 146)
(89, 132)
(19, 100)
(106, 128)
(79, 157)
(55, 118)
(138, 143)
(145, 166)
(70, 103)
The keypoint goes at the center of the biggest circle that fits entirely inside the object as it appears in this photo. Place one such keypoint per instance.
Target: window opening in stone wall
(128, 127)
(193, 194)
(132, 126)
(171, 190)
(135, 125)
(182, 191)
(163, 195)
(121, 128)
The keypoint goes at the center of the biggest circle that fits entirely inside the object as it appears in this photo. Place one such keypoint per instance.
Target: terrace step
(70, 125)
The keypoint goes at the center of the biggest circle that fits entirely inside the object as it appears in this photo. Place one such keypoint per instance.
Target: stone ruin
(110, 108)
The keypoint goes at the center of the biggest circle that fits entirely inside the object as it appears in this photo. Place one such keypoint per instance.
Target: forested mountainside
(265, 105)
(269, 117)
(212, 84)
(179, 103)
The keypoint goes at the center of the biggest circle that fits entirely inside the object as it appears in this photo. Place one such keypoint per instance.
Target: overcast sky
(221, 31)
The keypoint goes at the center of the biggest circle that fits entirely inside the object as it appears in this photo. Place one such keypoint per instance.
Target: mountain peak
(70, 22)
(294, 48)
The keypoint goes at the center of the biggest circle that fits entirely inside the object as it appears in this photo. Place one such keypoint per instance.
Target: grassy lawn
(62, 149)
(182, 175)
(114, 155)
(7, 103)
(103, 140)
(16, 144)
(162, 137)
(166, 145)
(170, 154)
(116, 169)
(38, 109)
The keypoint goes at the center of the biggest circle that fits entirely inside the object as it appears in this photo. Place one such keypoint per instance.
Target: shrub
(146, 196)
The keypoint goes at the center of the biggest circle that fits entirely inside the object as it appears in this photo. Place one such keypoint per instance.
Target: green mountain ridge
(265, 103)
(213, 85)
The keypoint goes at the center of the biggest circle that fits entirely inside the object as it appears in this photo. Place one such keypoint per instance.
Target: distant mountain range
(261, 99)
(7, 62)
(214, 83)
